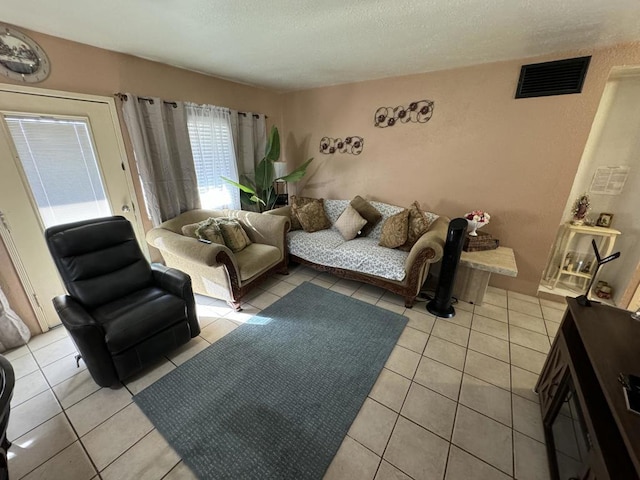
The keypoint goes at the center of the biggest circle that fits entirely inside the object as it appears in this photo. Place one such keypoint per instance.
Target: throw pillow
(350, 223)
(296, 203)
(418, 226)
(190, 230)
(209, 230)
(313, 217)
(394, 230)
(234, 235)
(368, 212)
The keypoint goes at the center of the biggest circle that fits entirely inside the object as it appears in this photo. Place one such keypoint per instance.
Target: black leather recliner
(121, 312)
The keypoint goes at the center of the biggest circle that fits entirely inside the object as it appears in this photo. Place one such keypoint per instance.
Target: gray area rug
(274, 398)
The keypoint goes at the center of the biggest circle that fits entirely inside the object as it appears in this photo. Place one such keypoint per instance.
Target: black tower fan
(441, 304)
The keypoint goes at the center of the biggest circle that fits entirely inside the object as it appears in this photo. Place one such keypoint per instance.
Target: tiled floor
(454, 401)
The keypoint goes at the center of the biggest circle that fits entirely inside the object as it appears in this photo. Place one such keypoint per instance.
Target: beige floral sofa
(215, 270)
(362, 259)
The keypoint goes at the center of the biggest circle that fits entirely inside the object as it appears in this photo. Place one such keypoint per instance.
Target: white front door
(61, 160)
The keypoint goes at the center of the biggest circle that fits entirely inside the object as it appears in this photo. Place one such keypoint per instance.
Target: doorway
(61, 160)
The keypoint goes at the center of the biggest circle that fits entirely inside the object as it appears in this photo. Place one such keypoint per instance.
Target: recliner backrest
(99, 259)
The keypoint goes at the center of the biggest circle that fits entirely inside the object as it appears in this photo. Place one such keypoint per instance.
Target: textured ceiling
(297, 44)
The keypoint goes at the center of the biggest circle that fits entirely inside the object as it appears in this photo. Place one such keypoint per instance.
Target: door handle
(126, 208)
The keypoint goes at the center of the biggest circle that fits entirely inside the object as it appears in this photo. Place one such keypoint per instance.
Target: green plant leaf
(257, 200)
(247, 180)
(297, 174)
(239, 185)
(272, 151)
(264, 175)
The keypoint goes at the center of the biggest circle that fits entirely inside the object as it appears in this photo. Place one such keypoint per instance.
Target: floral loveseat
(362, 258)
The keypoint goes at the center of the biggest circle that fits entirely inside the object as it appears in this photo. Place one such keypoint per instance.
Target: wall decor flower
(350, 145)
(420, 111)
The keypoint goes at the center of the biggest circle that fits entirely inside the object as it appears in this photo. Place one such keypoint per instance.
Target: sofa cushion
(312, 217)
(387, 211)
(298, 202)
(350, 223)
(362, 254)
(208, 230)
(368, 212)
(394, 230)
(234, 235)
(418, 226)
(133, 319)
(255, 259)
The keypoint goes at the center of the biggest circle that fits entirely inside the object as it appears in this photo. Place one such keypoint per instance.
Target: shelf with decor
(576, 264)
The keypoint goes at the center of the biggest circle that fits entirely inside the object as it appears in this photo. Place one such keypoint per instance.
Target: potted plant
(260, 191)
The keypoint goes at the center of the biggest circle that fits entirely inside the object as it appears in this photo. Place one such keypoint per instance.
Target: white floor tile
(413, 339)
(32, 413)
(390, 389)
(97, 407)
(115, 436)
(416, 451)
(218, 329)
(62, 369)
(373, 425)
(188, 350)
(154, 372)
(76, 388)
(492, 401)
(352, 461)
(44, 339)
(430, 410)
(39, 445)
(439, 378)
(463, 466)
(54, 351)
(28, 387)
(72, 463)
(150, 458)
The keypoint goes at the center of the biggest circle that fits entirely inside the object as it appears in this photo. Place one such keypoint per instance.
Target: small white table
(475, 269)
(605, 247)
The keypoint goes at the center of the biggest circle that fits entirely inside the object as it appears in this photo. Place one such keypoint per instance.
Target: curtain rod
(124, 98)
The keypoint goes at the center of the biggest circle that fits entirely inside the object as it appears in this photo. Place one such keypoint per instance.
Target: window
(59, 161)
(213, 155)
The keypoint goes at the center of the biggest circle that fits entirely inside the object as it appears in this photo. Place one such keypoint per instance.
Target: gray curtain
(160, 139)
(249, 132)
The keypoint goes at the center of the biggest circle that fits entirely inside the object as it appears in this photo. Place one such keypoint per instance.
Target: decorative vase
(473, 226)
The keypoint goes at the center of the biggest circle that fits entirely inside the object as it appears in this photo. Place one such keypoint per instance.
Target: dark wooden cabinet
(590, 433)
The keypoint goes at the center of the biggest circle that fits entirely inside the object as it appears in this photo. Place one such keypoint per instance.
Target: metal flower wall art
(350, 145)
(416, 112)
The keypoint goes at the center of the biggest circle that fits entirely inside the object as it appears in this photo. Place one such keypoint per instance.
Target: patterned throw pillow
(313, 217)
(208, 230)
(418, 226)
(296, 203)
(368, 212)
(350, 223)
(190, 230)
(234, 235)
(394, 230)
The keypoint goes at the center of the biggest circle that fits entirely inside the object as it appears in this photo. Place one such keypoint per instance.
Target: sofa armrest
(267, 229)
(188, 248)
(178, 283)
(282, 211)
(432, 242)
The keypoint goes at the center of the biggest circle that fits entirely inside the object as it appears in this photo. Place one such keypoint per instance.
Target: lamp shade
(280, 169)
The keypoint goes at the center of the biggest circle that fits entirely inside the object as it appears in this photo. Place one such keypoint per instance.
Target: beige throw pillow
(313, 217)
(234, 235)
(296, 203)
(350, 223)
(368, 212)
(418, 226)
(394, 230)
(208, 230)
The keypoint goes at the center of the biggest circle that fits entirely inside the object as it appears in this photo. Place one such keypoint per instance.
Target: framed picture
(604, 220)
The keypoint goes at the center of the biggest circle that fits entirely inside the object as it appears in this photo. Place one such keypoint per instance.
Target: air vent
(552, 78)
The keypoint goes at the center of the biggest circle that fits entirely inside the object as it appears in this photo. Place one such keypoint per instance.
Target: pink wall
(81, 68)
(482, 149)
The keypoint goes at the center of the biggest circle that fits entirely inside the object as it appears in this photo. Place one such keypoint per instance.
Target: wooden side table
(475, 269)
(607, 238)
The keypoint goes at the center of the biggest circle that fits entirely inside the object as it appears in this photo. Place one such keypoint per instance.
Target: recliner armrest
(178, 283)
(88, 335)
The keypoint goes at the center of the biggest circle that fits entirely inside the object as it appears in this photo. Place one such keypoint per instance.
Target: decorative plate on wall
(21, 58)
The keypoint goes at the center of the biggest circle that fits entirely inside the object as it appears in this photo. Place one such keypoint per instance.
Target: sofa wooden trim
(408, 288)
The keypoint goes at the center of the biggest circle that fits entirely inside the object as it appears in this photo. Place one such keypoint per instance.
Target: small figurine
(580, 209)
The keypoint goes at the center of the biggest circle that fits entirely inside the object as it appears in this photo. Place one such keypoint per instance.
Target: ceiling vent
(552, 78)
